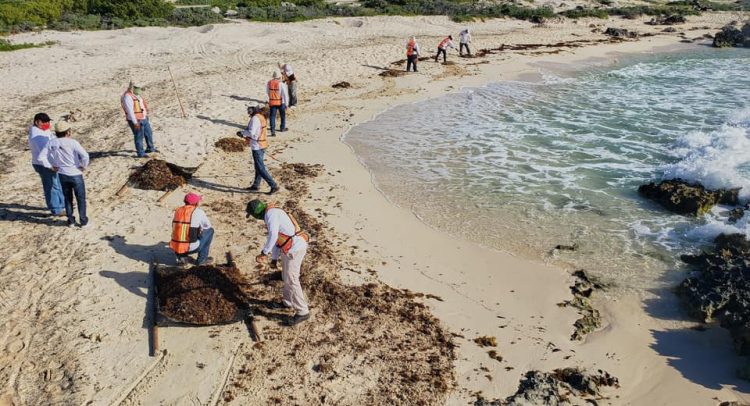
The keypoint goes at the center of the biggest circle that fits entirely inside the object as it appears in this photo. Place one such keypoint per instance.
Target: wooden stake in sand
(154, 312)
(250, 318)
(165, 195)
(176, 92)
(122, 189)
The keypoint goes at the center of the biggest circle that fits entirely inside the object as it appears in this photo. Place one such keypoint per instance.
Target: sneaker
(273, 190)
(208, 261)
(284, 129)
(142, 156)
(273, 134)
(87, 225)
(297, 319)
(148, 151)
(252, 188)
(71, 224)
(277, 305)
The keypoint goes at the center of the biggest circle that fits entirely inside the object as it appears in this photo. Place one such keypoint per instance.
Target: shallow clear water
(526, 166)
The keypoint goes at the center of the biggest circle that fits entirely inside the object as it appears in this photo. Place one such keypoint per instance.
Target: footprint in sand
(15, 346)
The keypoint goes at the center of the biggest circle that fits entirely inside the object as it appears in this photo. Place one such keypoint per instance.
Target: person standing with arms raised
(257, 136)
(39, 135)
(412, 53)
(278, 99)
(136, 113)
(69, 160)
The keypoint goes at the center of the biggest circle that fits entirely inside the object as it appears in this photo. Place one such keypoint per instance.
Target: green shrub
(6, 46)
(586, 12)
(187, 17)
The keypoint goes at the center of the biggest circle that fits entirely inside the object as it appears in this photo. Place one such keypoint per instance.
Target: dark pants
(74, 185)
(53, 194)
(204, 246)
(445, 55)
(140, 134)
(261, 173)
(411, 61)
(272, 112)
(461, 49)
(292, 92)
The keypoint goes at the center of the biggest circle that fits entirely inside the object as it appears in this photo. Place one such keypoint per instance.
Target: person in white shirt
(446, 43)
(412, 54)
(191, 232)
(136, 113)
(39, 136)
(256, 135)
(278, 99)
(286, 240)
(463, 41)
(69, 160)
(287, 74)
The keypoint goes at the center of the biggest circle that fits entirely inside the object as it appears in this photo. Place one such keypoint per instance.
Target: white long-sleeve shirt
(198, 220)
(282, 88)
(38, 139)
(277, 221)
(127, 103)
(288, 71)
(465, 37)
(67, 155)
(416, 47)
(253, 132)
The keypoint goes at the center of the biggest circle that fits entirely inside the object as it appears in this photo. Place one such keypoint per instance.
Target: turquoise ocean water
(525, 166)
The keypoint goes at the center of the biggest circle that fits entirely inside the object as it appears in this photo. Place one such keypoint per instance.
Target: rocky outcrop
(720, 290)
(668, 20)
(731, 36)
(559, 386)
(620, 33)
(682, 197)
(582, 289)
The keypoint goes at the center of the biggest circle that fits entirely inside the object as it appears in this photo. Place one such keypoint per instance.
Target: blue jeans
(140, 134)
(204, 245)
(74, 185)
(272, 112)
(260, 170)
(53, 194)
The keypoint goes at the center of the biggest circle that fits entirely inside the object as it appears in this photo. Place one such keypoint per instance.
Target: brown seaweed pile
(372, 337)
(201, 295)
(231, 144)
(157, 174)
(391, 73)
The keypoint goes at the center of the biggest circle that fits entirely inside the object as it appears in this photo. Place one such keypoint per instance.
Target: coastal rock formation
(682, 197)
(620, 33)
(582, 289)
(720, 291)
(731, 36)
(559, 386)
(668, 20)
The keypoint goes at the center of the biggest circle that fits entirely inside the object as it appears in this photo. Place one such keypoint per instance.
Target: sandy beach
(74, 302)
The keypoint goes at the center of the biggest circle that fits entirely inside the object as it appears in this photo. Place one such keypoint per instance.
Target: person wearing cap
(256, 135)
(446, 43)
(463, 41)
(412, 54)
(278, 99)
(191, 232)
(39, 135)
(68, 158)
(286, 240)
(136, 113)
(287, 76)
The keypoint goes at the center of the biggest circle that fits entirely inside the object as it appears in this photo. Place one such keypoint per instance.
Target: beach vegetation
(7, 46)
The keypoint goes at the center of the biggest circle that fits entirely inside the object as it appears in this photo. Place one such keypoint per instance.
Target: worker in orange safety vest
(136, 113)
(287, 240)
(278, 100)
(412, 54)
(191, 232)
(446, 43)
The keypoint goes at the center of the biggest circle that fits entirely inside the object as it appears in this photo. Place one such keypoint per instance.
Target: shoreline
(483, 291)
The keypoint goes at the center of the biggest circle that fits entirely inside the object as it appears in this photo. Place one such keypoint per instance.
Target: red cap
(192, 198)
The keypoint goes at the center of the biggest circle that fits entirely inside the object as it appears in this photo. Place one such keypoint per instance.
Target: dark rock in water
(721, 289)
(559, 387)
(620, 33)
(731, 36)
(682, 197)
(734, 403)
(736, 214)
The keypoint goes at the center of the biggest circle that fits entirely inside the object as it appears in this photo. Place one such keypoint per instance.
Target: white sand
(73, 302)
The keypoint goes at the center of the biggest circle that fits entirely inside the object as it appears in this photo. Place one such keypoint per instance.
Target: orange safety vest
(274, 92)
(182, 233)
(285, 242)
(443, 42)
(137, 108)
(263, 139)
(410, 48)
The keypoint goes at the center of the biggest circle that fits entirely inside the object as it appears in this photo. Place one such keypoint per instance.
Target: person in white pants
(286, 240)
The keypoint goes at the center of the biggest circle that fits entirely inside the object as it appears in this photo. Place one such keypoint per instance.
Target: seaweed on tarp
(158, 174)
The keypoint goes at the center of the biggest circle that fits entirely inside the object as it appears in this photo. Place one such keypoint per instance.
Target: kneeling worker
(191, 232)
(285, 239)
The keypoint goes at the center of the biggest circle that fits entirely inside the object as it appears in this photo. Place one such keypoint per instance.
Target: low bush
(6, 46)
